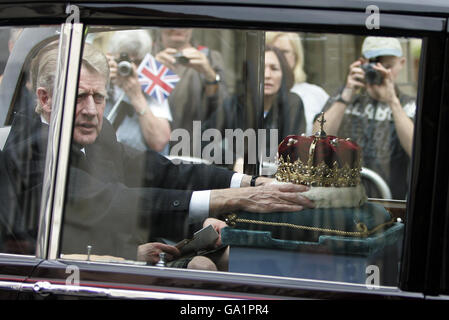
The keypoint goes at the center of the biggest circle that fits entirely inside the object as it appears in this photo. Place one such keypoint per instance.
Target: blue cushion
(362, 230)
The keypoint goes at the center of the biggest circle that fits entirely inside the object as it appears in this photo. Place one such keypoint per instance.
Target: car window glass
(152, 101)
(22, 144)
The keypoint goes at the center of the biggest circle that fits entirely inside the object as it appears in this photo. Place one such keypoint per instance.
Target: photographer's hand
(196, 60)
(354, 80)
(130, 84)
(112, 68)
(166, 57)
(199, 62)
(385, 92)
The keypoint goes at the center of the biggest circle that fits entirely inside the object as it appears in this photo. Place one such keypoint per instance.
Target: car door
(326, 32)
(19, 219)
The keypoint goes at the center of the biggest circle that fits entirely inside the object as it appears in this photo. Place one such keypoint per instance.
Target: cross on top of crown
(321, 133)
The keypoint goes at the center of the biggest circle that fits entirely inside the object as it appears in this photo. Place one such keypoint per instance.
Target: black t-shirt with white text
(370, 124)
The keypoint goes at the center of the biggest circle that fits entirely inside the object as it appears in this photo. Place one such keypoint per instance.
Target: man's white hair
(44, 66)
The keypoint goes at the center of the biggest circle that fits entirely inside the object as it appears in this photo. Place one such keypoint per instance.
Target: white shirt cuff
(236, 180)
(199, 203)
(199, 206)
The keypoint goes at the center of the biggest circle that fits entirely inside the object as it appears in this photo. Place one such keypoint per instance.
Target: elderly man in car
(118, 197)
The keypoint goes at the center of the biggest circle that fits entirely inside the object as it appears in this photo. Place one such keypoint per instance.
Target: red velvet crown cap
(329, 149)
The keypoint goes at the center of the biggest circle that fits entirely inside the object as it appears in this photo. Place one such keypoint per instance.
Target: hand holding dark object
(180, 58)
(217, 225)
(167, 58)
(198, 60)
(131, 85)
(129, 82)
(385, 91)
(150, 252)
(356, 75)
(112, 68)
(124, 65)
(189, 57)
(372, 76)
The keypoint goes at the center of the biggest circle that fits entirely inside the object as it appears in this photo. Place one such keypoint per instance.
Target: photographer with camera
(140, 121)
(372, 111)
(201, 88)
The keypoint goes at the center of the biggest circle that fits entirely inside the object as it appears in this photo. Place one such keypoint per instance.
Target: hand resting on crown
(262, 199)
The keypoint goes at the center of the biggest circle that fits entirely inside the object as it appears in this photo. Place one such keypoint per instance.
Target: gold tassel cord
(233, 219)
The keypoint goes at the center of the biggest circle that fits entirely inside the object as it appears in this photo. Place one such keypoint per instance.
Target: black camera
(372, 76)
(124, 65)
(180, 58)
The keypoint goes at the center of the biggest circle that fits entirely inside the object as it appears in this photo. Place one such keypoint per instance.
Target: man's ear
(44, 99)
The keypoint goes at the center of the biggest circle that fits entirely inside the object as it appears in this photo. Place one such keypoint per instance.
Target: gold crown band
(318, 176)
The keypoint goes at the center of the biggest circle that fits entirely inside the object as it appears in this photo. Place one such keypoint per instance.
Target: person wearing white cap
(373, 112)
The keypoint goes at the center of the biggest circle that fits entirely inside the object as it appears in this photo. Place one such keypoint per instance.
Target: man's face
(176, 38)
(90, 104)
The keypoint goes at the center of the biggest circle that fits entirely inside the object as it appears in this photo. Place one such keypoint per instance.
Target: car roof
(427, 7)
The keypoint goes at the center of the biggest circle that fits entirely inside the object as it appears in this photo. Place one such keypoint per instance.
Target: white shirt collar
(44, 120)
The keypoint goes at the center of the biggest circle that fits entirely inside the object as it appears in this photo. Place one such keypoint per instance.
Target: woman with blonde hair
(313, 96)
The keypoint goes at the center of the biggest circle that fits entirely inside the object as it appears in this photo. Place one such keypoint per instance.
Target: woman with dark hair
(283, 110)
(314, 97)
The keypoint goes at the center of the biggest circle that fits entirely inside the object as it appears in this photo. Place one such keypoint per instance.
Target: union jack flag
(156, 80)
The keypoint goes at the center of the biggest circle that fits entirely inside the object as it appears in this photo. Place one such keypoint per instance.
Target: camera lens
(124, 68)
(372, 76)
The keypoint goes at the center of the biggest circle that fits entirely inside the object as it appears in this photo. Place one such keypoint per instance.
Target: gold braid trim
(232, 220)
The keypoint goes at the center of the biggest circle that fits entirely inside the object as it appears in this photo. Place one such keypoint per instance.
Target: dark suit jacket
(116, 196)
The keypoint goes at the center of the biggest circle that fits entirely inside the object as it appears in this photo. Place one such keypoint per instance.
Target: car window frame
(21, 53)
(21, 265)
(392, 23)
